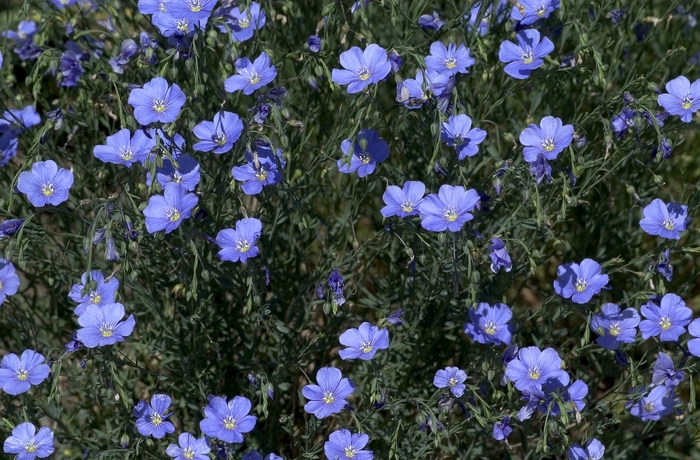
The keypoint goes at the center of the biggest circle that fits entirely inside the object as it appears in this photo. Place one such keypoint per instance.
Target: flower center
(254, 78)
(450, 215)
(196, 6)
(106, 330)
(366, 347)
(156, 419)
(527, 57)
(328, 397)
(219, 139)
(162, 6)
(244, 23)
(126, 154)
(453, 381)
(183, 26)
(31, 446)
(22, 375)
(48, 189)
(665, 323)
(548, 144)
(450, 63)
(534, 373)
(364, 74)
(490, 328)
(648, 406)
(350, 451)
(173, 214)
(243, 246)
(540, 10)
(365, 158)
(0, 286)
(687, 102)
(159, 106)
(668, 224)
(407, 206)
(188, 453)
(580, 285)
(95, 298)
(615, 329)
(229, 423)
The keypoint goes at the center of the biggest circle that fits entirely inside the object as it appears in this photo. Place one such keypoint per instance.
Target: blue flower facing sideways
(527, 55)
(337, 285)
(452, 378)
(343, 445)
(457, 132)
(251, 76)
(502, 429)
(616, 326)
(682, 98)
(45, 184)
(448, 60)
(122, 148)
(490, 324)
(363, 342)
(151, 418)
(328, 397)
(664, 220)
(219, 135)
(362, 69)
(189, 448)
(665, 372)
(29, 444)
(499, 256)
(449, 209)
(667, 320)
(167, 211)
(228, 421)
(580, 282)
(18, 374)
(430, 21)
(101, 294)
(157, 102)
(548, 139)
(9, 227)
(594, 450)
(403, 202)
(102, 326)
(240, 244)
(367, 151)
(9, 281)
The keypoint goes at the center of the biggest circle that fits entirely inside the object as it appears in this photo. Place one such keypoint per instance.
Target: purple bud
(83, 363)
(319, 291)
(395, 318)
(314, 44)
(253, 381)
(111, 250)
(395, 61)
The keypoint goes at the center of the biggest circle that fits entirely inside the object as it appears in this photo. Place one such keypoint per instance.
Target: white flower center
(665, 323)
(580, 285)
(364, 74)
(22, 375)
(328, 397)
(450, 215)
(534, 373)
(243, 246)
(615, 329)
(229, 423)
(548, 144)
(687, 102)
(106, 330)
(527, 57)
(47, 189)
(173, 214)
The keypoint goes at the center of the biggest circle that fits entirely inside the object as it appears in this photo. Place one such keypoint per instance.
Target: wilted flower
(665, 268)
(337, 285)
(665, 372)
(9, 227)
(362, 68)
(502, 429)
(314, 43)
(328, 397)
(452, 378)
(668, 320)
(363, 342)
(622, 122)
(499, 256)
(527, 55)
(540, 169)
(580, 282)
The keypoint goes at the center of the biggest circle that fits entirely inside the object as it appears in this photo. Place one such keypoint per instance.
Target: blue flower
(665, 372)
(24, 40)
(18, 374)
(502, 429)
(530, 11)
(449, 60)
(165, 212)
(337, 285)
(151, 417)
(430, 21)
(664, 220)
(403, 202)
(191, 10)
(694, 344)
(656, 404)
(69, 66)
(682, 98)
(490, 324)
(129, 49)
(452, 378)
(9, 281)
(363, 342)
(410, 92)
(362, 68)
(366, 152)
(8, 147)
(449, 209)
(594, 450)
(328, 397)
(60, 4)
(540, 169)
(667, 320)
(45, 184)
(314, 43)
(533, 368)
(242, 24)
(228, 420)
(185, 176)
(177, 27)
(102, 326)
(251, 76)
(240, 244)
(18, 121)
(527, 55)
(123, 149)
(499, 256)
(28, 444)
(260, 171)
(343, 445)
(665, 268)
(580, 282)
(548, 139)
(9, 227)
(622, 122)
(617, 326)
(101, 295)
(457, 133)
(157, 101)
(190, 448)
